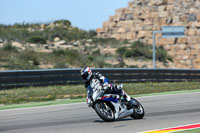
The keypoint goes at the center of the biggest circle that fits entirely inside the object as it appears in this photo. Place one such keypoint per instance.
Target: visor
(84, 76)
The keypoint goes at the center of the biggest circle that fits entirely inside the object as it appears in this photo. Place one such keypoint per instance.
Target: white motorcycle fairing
(110, 107)
(121, 110)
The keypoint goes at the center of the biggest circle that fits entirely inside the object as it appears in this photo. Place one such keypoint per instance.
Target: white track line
(45, 106)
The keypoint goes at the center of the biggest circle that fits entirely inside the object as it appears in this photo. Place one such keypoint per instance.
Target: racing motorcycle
(111, 107)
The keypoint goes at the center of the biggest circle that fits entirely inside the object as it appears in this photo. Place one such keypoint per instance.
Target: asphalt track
(161, 112)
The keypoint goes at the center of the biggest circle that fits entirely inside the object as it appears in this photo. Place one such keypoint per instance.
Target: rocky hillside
(141, 17)
(61, 45)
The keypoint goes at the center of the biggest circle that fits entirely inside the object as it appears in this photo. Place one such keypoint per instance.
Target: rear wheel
(104, 111)
(138, 110)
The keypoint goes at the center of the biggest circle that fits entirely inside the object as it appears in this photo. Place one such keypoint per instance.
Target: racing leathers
(98, 80)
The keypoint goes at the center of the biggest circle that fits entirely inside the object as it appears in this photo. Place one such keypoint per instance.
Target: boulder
(42, 26)
(191, 32)
(130, 36)
(99, 30)
(117, 36)
(156, 2)
(56, 39)
(196, 63)
(51, 25)
(193, 40)
(198, 32)
(129, 16)
(163, 14)
(193, 10)
(170, 7)
(163, 21)
(17, 44)
(61, 42)
(121, 30)
(182, 46)
(182, 40)
(141, 34)
(162, 8)
(198, 17)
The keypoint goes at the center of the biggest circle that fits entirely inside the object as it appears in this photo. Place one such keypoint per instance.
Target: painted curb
(174, 129)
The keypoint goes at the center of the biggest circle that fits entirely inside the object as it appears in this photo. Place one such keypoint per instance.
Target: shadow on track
(120, 120)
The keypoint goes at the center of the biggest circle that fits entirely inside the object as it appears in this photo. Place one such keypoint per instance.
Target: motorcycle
(111, 107)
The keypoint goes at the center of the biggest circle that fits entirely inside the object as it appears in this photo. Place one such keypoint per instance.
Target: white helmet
(86, 73)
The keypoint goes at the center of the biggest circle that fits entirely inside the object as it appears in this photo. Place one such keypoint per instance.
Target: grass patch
(70, 101)
(147, 88)
(37, 94)
(51, 93)
(190, 131)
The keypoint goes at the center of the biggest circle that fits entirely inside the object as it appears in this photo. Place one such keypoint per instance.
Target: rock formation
(141, 17)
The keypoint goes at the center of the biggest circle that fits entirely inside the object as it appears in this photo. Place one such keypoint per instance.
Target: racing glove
(106, 86)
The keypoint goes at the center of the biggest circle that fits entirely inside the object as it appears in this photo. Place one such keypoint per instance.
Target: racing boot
(130, 101)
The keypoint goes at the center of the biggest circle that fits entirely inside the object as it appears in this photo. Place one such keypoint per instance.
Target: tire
(138, 111)
(104, 111)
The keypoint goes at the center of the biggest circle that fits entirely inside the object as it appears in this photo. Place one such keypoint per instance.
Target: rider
(94, 78)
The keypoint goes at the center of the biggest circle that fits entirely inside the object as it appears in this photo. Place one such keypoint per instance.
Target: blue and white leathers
(95, 82)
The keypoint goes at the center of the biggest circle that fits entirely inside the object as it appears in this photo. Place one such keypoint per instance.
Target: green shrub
(68, 55)
(125, 41)
(128, 53)
(72, 54)
(100, 62)
(133, 66)
(161, 54)
(63, 22)
(106, 41)
(60, 32)
(10, 33)
(97, 52)
(121, 51)
(64, 30)
(60, 65)
(92, 34)
(30, 57)
(139, 50)
(170, 58)
(37, 40)
(90, 58)
(9, 47)
(59, 52)
(121, 62)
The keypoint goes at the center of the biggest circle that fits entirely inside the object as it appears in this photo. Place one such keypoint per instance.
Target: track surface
(161, 112)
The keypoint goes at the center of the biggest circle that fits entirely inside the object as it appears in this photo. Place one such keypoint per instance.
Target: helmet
(86, 73)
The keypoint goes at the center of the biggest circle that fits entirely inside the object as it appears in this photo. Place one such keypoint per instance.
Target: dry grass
(37, 94)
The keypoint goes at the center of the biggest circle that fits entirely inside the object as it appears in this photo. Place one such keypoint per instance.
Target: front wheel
(104, 111)
(138, 110)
